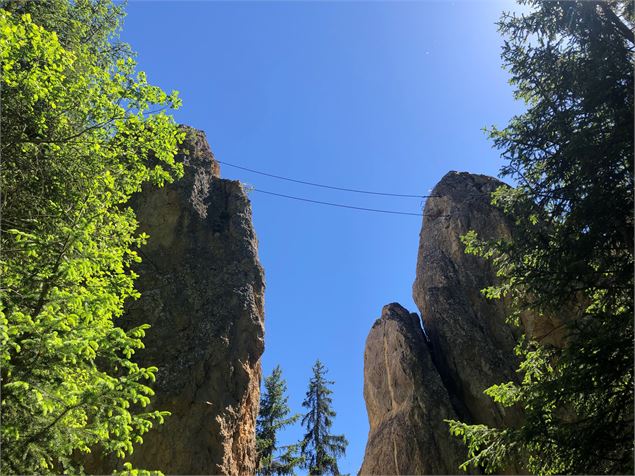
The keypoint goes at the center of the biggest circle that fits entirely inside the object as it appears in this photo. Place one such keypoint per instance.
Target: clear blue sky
(385, 96)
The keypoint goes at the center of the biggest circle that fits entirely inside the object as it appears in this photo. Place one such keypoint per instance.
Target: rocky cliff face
(472, 344)
(406, 401)
(469, 346)
(202, 291)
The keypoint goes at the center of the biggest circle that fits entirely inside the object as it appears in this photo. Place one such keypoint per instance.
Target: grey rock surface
(202, 291)
(472, 345)
(406, 401)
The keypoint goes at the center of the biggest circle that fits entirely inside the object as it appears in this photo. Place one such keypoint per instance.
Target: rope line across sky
(339, 205)
(376, 210)
(320, 202)
(313, 184)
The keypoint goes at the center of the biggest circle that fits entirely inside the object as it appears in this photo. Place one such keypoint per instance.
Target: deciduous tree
(81, 132)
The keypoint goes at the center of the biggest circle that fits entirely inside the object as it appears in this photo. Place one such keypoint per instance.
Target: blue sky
(386, 96)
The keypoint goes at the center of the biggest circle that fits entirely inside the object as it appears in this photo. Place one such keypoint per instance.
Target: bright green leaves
(505, 393)
(82, 130)
(487, 448)
(130, 471)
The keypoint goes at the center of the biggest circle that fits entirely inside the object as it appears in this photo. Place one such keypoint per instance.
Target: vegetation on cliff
(81, 131)
(571, 262)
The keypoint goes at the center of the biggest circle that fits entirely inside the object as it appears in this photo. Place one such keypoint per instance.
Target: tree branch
(623, 29)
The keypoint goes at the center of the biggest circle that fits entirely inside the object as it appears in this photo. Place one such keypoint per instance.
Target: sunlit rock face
(202, 291)
(414, 380)
(406, 401)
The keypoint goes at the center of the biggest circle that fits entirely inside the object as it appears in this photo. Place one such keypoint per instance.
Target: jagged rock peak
(196, 151)
(406, 401)
(199, 168)
(202, 292)
(465, 184)
(396, 312)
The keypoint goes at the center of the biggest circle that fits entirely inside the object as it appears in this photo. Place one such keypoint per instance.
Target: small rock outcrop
(202, 291)
(472, 345)
(406, 401)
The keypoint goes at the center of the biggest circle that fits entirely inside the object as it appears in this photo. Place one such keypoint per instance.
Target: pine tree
(272, 417)
(571, 260)
(320, 449)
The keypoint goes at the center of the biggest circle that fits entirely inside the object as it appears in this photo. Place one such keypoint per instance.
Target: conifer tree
(320, 449)
(272, 417)
(571, 260)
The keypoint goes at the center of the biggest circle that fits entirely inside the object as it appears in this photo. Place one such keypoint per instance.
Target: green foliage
(571, 261)
(78, 132)
(319, 448)
(272, 417)
(130, 471)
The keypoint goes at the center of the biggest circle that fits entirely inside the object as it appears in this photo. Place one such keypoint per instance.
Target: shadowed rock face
(202, 291)
(472, 345)
(406, 401)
